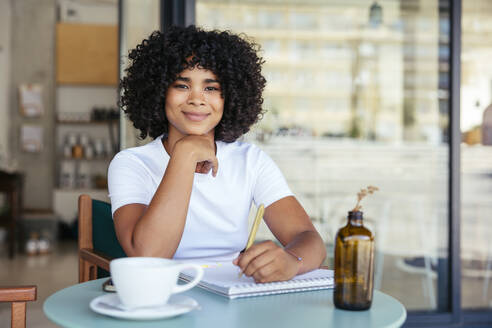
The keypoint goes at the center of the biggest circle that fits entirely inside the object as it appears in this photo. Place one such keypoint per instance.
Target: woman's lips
(195, 117)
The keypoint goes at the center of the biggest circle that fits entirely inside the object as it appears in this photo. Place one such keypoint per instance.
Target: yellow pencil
(254, 229)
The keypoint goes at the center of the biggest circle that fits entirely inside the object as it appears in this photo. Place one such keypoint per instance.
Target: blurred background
(358, 94)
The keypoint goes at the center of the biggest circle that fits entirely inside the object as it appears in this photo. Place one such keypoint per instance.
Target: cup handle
(191, 284)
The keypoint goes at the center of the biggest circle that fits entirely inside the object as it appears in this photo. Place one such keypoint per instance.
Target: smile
(195, 117)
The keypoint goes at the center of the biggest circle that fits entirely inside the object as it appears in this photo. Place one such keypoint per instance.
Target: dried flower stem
(361, 194)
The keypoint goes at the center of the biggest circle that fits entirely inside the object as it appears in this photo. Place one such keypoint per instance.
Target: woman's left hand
(267, 262)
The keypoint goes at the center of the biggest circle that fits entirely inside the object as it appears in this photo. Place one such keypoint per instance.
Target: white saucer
(109, 304)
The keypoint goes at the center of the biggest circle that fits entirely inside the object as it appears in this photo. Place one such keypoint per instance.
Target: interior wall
(89, 12)
(5, 13)
(32, 61)
(27, 43)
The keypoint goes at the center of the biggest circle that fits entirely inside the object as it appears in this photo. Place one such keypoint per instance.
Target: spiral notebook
(223, 279)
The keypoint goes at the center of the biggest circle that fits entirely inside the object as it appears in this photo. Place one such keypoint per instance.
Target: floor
(59, 269)
(50, 272)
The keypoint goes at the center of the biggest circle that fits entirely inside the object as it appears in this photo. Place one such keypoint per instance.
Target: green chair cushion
(103, 234)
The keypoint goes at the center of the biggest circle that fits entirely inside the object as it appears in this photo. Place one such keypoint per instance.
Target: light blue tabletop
(69, 307)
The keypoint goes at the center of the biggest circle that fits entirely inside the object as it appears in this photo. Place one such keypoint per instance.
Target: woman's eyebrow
(211, 81)
(187, 79)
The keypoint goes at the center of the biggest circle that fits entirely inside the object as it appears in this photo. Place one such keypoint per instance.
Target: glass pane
(476, 154)
(140, 18)
(357, 96)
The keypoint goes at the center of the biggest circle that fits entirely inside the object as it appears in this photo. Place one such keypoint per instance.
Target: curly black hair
(157, 61)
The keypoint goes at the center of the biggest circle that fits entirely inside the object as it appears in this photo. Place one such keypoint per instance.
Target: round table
(69, 307)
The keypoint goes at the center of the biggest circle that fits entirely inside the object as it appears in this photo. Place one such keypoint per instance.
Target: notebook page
(226, 275)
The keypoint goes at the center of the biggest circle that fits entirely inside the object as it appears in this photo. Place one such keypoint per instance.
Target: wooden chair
(11, 184)
(18, 296)
(98, 244)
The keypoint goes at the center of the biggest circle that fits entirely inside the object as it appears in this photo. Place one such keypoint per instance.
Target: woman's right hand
(202, 151)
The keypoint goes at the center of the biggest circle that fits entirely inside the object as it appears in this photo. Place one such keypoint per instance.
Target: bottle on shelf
(77, 148)
(70, 142)
(67, 176)
(83, 177)
(99, 148)
(86, 144)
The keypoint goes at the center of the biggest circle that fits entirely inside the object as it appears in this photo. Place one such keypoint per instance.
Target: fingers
(215, 166)
(259, 268)
(253, 252)
(206, 166)
(212, 162)
(199, 167)
(267, 262)
(256, 257)
(203, 149)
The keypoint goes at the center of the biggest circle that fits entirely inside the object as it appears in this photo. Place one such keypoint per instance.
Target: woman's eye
(181, 86)
(211, 88)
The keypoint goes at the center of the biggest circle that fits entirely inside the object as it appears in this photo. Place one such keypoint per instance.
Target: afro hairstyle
(158, 60)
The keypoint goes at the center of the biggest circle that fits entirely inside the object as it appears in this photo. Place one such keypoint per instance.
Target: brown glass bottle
(354, 265)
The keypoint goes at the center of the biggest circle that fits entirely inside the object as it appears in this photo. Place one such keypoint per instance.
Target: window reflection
(140, 18)
(354, 101)
(476, 154)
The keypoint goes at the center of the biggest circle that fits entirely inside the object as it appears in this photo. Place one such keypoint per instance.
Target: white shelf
(65, 201)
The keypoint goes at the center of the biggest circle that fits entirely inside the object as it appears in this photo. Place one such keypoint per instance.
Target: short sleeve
(128, 181)
(270, 184)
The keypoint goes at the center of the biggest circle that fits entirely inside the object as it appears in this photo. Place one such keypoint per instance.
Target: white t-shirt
(217, 219)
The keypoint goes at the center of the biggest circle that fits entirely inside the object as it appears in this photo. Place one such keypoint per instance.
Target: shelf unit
(81, 175)
(87, 77)
(99, 160)
(82, 171)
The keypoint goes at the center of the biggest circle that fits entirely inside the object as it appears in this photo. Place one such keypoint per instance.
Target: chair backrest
(97, 239)
(103, 233)
(18, 296)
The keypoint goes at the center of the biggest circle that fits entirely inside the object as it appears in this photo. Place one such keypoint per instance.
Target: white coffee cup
(149, 281)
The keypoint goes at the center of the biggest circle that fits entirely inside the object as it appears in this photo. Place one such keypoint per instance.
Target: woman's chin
(198, 132)
(190, 130)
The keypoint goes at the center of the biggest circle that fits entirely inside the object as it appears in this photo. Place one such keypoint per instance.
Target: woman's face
(194, 104)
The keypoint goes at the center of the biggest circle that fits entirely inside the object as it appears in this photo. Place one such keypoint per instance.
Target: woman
(187, 194)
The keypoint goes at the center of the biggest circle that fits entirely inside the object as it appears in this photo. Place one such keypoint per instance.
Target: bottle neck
(355, 218)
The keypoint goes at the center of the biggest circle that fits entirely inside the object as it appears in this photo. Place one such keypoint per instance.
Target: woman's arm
(291, 225)
(156, 229)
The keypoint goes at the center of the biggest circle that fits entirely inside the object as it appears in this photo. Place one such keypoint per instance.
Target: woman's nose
(196, 97)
